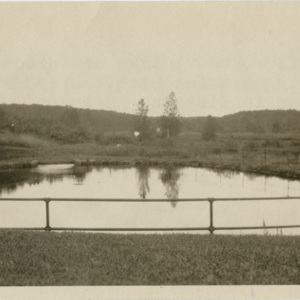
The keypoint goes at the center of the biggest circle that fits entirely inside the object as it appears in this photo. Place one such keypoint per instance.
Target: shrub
(209, 129)
(270, 144)
(22, 140)
(114, 139)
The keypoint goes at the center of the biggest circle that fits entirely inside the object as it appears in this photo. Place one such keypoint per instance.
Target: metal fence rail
(211, 228)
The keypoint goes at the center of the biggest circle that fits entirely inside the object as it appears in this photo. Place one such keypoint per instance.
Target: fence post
(211, 227)
(288, 158)
(47, 227)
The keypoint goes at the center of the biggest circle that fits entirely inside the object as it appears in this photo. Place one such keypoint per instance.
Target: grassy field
(39, 258)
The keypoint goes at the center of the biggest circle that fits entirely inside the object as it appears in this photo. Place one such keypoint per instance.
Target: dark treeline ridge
(262, 121)
(67, 124)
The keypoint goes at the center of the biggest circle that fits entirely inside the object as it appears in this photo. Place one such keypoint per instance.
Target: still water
(67, 181)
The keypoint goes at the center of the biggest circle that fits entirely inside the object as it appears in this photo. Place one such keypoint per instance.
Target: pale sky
(218, 57)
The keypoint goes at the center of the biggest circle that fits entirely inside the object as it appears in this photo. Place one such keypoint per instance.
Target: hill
(64, 123)
(261, 121)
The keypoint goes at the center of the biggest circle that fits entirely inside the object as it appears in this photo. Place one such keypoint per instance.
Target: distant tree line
(66, 124)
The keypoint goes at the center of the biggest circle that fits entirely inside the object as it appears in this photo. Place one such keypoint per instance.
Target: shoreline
(267, 170)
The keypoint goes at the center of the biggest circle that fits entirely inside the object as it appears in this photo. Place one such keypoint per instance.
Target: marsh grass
(270, 154)
(23, 140)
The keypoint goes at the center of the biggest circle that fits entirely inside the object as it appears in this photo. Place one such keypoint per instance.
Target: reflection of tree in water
(226, 173)
(11, 180)
(51, 178)
(80, 174)
(251, 176)
(169, 178)
(143, 174)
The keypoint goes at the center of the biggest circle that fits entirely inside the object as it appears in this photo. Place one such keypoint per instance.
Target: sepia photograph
(150, 144)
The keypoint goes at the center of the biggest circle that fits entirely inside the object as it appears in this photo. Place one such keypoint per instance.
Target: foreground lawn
(41, 258)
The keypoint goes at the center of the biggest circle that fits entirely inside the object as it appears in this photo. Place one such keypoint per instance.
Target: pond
(67, 181)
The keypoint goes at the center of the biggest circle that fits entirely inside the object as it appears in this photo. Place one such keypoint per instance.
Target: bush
(270, 144)
(209, 129)
(166, 143)
(231, 146)
(114, 139)
(73, 136)
(22, 140)
(251, 145)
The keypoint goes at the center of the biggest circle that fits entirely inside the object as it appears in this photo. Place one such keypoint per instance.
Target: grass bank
(39, 258)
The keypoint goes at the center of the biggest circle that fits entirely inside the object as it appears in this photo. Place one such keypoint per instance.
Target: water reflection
(143, 181)
(11, 180)
(153, 183)
(250, 176)
(226, 173)
(80, 173)
(169, 178)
